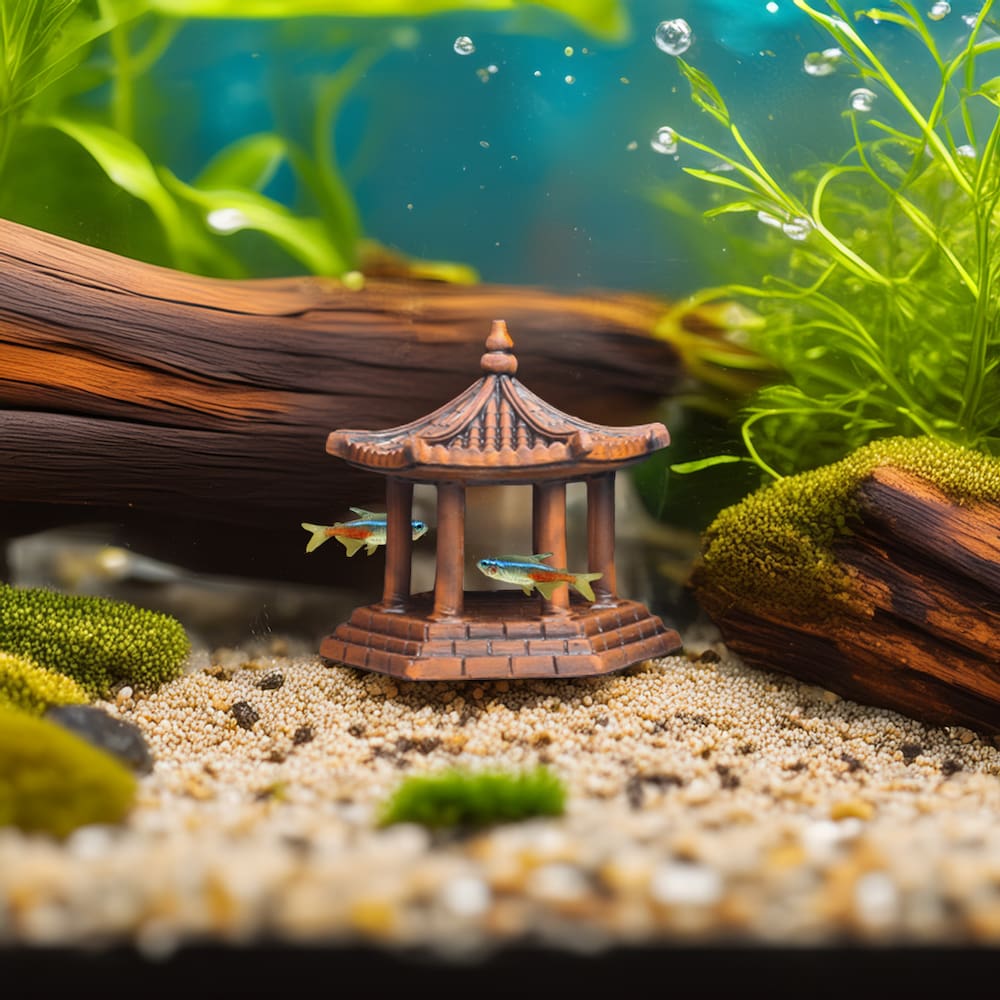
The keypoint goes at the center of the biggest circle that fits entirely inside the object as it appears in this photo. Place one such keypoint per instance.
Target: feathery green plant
(462, 798)
(884, 316)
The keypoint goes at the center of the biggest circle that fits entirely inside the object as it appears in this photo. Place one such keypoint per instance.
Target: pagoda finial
(499, 357)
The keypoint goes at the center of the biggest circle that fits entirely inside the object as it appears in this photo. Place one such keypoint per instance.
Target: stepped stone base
(501, 635)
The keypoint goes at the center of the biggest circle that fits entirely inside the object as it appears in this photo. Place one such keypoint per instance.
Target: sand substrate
(708, 803)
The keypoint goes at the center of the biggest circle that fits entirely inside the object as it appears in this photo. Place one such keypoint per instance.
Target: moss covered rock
(53, 782)
(98, 642)
(774, 551)
(33, 689)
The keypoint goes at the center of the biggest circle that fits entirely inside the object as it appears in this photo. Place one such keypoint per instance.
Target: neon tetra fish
(529, 571)
(368, 529)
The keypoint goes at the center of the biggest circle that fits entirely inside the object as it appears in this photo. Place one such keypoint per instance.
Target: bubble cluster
(822, 63)
(673, 37)
(861, 99)
(796, 228)
(464, 45)
(940, 9)
(664, 140)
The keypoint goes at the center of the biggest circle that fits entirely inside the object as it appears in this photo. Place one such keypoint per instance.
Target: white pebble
(685, 884)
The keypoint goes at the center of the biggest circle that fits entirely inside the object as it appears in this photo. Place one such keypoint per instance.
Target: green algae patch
(457, 798)
(53, 782)
(774, 550)
(98, 642)
(33, 689)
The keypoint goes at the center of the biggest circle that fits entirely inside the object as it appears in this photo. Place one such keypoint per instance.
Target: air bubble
(969, 152)
(226, 220)
(769, 220)
(673, 37)
(940, 9)
(569, 79)
(822, 63)
(464, 45)
(771, 7)
(664, 140)
(862, 99)
(797, 229)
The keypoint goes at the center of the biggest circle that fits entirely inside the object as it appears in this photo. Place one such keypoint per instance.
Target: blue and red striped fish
(368, 529)
(529, 572)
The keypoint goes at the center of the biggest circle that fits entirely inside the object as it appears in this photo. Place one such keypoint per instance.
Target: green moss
(774, 549)
(32, 688)
(98, 642)
(52, 781)
(461, 798)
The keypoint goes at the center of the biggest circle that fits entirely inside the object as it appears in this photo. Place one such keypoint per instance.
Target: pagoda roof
(497, 431)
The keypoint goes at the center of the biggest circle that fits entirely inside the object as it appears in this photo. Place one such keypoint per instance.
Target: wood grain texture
(193, 412)
(923, 632)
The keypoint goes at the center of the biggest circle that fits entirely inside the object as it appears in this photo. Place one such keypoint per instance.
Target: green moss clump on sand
(53, 782)
(98, 642)
(32, 688)
(461, 798)
(774, 549)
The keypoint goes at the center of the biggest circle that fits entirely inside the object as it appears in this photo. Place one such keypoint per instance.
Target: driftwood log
(192, 413)
(922, 636)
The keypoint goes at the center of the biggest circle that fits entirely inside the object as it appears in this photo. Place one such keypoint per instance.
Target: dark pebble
(115, 736)
(271, 681)
(245, 714)
(304, 734)
(911, 751)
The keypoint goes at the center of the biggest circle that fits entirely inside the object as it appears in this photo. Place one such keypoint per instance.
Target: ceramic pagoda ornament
(498, 432)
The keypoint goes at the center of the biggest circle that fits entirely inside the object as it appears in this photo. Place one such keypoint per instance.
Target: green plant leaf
(230, 210)
(683, 468)
(249, 162)
(704, 93)
(127, 166)
(991, 90)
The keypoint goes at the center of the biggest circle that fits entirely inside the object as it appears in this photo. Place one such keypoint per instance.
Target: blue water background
(527, 177)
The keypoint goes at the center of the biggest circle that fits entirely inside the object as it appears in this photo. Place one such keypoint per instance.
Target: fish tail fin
(319, 535)
(582, 583)
(352, 544)
(547, 589)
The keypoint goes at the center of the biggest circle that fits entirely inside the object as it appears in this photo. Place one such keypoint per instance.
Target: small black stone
(853, 764)
(304, 734)
(115, 736)
(950, 767)
(245, 714)
(911, 751)
(271, 681)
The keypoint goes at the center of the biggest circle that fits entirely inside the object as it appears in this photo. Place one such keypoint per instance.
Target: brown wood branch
(921, 632)
(177, 405)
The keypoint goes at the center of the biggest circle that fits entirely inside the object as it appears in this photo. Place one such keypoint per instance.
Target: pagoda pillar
(449, 574)
(601, 536)
(548, 534)
(398, 544)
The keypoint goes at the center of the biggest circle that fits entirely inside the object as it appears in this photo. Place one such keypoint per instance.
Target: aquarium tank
(818, 178)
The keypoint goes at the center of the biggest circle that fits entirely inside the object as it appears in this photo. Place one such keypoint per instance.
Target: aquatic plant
(463, 798)
(879, 305)
(98, 642)
(775, 547)
(53, 782)
(32, 688)
(72, 77)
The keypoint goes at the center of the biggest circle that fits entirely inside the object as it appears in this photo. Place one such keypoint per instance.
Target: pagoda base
(500, 635)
